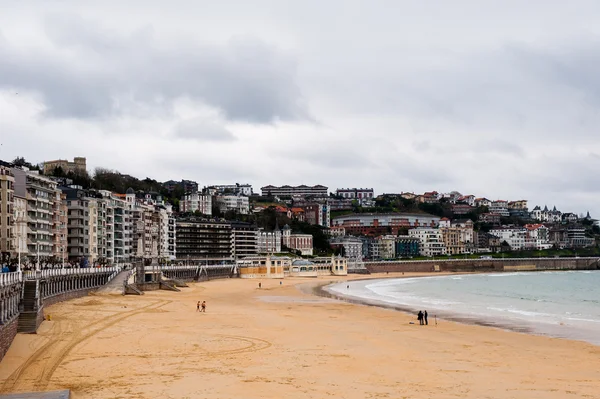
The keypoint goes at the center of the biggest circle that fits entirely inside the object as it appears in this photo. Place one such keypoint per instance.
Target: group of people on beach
(201, 307)
(422, 317)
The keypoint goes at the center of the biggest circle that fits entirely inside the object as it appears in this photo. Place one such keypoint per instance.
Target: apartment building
(20, 226)
(269, 241)
(355, 193)
(82, 225)
(350, 247)
(514, 236)
(299, 242)
(188, 186)
(431, 241)
(318, 214)
(244, 240)
(236, 203)
(232, 189)
(407, 246)
(40, 193)
(378, 224)
(500, 207)
(537, 237)
(196, 202)
(289, 191)
(60, 221)
(387, 246)
(203, 239)
(7, 219)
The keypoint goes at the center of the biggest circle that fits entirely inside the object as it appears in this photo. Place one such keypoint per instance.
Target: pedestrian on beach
(420, 317)
(425, 317)
(259, 285)
(198, 306)
(204, 306)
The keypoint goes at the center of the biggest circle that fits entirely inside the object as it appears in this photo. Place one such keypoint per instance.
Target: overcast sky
(492, 98)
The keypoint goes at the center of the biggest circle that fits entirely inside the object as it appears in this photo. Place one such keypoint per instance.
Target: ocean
(559, 304)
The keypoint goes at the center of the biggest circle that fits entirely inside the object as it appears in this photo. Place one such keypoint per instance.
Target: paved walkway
(115, 286)
(39, 395)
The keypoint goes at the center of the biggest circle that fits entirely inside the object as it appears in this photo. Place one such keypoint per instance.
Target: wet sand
(282, 341)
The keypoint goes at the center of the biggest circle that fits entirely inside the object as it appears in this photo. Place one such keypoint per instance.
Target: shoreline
(322, 290)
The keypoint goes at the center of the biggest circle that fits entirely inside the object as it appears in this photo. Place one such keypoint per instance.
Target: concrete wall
(67, 296)
(483, 265)
(7, 333)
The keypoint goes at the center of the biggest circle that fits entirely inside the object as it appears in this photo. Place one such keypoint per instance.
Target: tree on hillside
(20, 162)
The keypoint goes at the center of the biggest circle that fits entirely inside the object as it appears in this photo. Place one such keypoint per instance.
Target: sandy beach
(281, 341)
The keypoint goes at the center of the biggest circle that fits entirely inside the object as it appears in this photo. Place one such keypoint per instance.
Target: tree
(20, 162)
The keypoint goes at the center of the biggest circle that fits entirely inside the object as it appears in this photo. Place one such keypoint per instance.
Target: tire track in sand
(57, 349)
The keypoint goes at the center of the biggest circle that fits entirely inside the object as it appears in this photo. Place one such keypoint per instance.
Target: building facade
(203, 239)
(7, 219)
(290, 191)
(40, 193)
(236, 203)
(77, 166)
(431, 241)
(269, 241)
(318, 214)
(299, 242)
(350, 247)
(196, 202)
(355, 193)
(380, 224)
(244, 240)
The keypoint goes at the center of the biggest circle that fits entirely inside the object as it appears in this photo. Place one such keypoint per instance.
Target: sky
(495, 99)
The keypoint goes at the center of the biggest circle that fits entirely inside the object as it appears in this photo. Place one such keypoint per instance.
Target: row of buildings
(40, 218)
(381, 237)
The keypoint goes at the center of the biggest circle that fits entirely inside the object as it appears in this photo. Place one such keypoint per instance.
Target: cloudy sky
(493, 98)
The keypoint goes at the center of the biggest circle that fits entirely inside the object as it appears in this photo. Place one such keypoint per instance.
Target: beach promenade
(281, 341)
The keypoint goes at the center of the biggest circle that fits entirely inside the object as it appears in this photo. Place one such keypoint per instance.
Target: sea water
(560, 304)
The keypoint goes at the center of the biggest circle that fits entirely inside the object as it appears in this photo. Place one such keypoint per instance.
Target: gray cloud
(200, 129)
(90, 72)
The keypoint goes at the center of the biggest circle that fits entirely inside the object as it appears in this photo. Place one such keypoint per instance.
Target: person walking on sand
(425, 317)
(198, 306)
(204, 306)
(420, 317)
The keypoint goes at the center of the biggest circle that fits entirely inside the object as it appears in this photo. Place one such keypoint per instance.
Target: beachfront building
(458, 236)
(40, 193)
(244, 239)
(196, 202)
(203, 239)
(77, 166)
(20, 226)
(263, 267)
(7, 219)
(269, 241)
(407, 246)
(349, 247)
(266, 267)
(537, 237)
(387, 246)
(289, 191)
(431, 241)
(513, 236)
(236, 203)
(299, 242)
(377, 223)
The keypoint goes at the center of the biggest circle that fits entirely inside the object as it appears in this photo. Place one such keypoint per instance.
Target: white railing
(33, 274)
(10, 278)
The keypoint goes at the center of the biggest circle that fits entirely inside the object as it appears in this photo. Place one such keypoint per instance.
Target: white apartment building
(500, 207)
(7, 182)
(355, 193)
(235, 189)
(432, 243)
(196, 202)
(299, 242)
(537, 237)
(40, 193)
(514, 236)
(269, 241)
(237, 203)
(20, 230)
